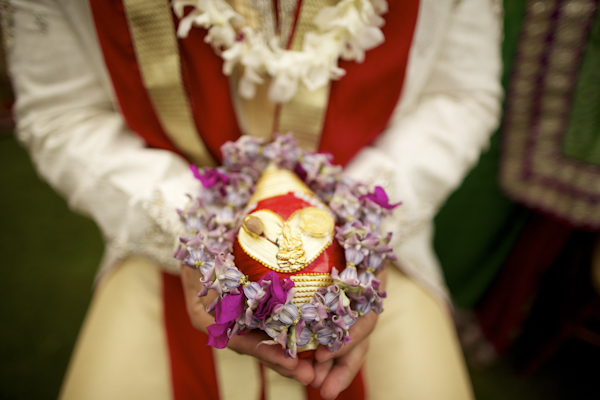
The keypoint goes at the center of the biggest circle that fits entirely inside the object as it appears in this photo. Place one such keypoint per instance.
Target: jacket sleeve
(452, 106)
(78, 140)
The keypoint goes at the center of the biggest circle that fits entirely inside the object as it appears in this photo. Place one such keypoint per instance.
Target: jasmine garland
(346, 30)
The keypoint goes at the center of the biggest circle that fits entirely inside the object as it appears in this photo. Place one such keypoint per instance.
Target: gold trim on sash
(255, 116)
(304, 114)
(155, 44)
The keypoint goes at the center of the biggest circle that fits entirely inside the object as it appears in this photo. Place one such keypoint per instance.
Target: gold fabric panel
(155, 43)
(304, 115)
(255, 116)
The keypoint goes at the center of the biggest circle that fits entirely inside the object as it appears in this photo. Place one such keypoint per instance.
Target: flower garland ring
(214, 217)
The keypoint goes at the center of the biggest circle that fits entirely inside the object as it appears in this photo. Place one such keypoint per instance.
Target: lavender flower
(366, 277)
(357, 247)
(254, 293)
(325, 336)
(364, 307)
(319, 174)
(223, 276)
(313, 311)
(345, 321)
(195, 257)
(295, 335)
(344, 204)
(193, 223)
(283, 151)
(339, 337)
(348, 277)
(304, 338)
(336, 300)
(277, 331)
(287, 313)
(231, 277)
(246, 151)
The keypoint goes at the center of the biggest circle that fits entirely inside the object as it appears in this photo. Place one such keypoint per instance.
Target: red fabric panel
(362, 102)
(350, 122)
(192, 368)
(208, 91)
(356, 390)
(119, 55)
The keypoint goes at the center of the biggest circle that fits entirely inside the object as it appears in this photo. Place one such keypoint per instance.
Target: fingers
(344, 370)
(249, 344)
(303, 373)
(321, 371)
(272, 356)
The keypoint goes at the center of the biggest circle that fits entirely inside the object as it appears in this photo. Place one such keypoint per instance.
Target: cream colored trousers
(122, 350)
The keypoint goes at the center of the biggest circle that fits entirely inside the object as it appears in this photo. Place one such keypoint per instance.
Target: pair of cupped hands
(331, 373)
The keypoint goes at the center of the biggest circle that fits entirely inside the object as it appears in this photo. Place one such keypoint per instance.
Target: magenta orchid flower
(380, 198)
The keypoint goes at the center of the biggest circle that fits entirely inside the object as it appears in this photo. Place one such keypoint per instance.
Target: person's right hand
(270, 355)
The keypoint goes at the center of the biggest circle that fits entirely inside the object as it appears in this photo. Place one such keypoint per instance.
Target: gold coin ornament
(316, 222)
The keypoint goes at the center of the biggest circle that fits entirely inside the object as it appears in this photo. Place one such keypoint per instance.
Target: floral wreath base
(213, 218)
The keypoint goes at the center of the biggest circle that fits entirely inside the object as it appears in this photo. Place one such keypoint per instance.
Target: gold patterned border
(534, 170)
(153, 34)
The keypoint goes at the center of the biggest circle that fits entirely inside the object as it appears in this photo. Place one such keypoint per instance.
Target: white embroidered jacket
(67, 116)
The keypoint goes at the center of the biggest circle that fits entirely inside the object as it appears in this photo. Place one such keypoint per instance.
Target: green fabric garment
(582, 139)
(477, 227)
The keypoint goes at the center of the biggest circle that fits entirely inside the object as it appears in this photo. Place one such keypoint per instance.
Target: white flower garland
(345, 31)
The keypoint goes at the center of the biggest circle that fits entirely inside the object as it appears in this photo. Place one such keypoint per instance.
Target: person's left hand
(335, 371)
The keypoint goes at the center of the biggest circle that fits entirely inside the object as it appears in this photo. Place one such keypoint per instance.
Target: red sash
(360, 104)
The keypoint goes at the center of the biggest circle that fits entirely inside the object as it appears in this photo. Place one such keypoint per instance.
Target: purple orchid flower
(276, 293)
(211, 178)
(380, 198)
(227, 311)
